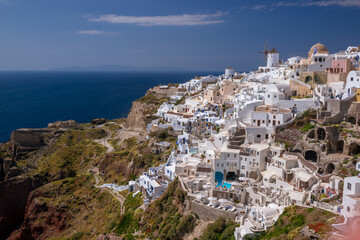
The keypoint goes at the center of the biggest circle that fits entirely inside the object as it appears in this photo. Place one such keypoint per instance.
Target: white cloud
(258, 7)
(169, 20)
(307, 3)
(96, 32)
(343, 3)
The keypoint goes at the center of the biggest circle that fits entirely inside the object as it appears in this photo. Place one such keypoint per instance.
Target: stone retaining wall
(209, 213)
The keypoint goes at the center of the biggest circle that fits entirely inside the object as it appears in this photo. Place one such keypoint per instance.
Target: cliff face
(136, 118)
(13, 197)
(142, 109)
(68, 209)
(40, 219)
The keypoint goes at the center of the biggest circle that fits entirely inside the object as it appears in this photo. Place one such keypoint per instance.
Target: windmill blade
(266, 46)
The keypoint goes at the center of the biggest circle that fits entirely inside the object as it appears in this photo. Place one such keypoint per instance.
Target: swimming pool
(219, 179)
(224, 184)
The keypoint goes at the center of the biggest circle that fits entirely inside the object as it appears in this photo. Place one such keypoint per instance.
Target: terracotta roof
(273, 51)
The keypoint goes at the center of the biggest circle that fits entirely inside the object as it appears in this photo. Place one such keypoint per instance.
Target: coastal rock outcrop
(98, 121)
(136, 117)
(142, 111)
(30, 139)
(70, 124)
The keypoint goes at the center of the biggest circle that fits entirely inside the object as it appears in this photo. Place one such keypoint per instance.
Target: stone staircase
(237, 138)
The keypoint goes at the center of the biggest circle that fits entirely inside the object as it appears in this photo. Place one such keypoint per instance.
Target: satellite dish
(357, 58)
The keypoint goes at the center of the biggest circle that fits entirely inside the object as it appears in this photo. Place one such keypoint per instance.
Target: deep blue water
(34, 99)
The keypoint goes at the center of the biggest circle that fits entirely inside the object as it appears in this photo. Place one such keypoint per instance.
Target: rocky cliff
(71, 208)
(142, 109)
(13, 198)
(136, 118)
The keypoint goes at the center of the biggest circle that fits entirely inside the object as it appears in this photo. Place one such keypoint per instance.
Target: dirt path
(104, 141)
(118, 197)
(115, 194)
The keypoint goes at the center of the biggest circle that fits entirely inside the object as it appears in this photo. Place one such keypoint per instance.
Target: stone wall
(354, 112)
(29, 139)
(209, 213)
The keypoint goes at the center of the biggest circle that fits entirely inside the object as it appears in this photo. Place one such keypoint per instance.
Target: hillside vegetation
(71, 208)
(294, 219)
(221, 229)
(168, 217)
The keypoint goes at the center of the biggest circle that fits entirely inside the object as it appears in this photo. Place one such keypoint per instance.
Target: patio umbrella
(199, 197)
(212, 198)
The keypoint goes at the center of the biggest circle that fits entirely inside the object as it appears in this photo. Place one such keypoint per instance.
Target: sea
(34, 99)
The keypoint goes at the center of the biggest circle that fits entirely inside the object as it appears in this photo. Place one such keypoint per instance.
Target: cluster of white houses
(226, 149)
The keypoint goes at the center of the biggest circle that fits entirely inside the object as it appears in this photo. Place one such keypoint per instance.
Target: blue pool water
(224, 184)
(219, 179)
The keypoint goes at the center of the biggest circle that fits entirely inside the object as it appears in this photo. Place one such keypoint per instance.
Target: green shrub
(220, 229)
(307, 127)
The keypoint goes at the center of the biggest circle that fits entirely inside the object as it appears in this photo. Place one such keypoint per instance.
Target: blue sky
(184, 34)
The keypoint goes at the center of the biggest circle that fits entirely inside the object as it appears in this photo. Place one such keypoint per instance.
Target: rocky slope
(13, 198)
(141, 110)
(72, 207)
(48, 191)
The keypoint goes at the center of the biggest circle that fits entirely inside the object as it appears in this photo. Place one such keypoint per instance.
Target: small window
(258, 136)
(348, 209)
(349, 186)
(217, 165)
(266, 136)
(352, 79)
(278, 122)
(263, 121)
(228, 155)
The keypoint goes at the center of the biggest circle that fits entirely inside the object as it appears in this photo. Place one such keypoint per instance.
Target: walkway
(104, 141)
(115, 194)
